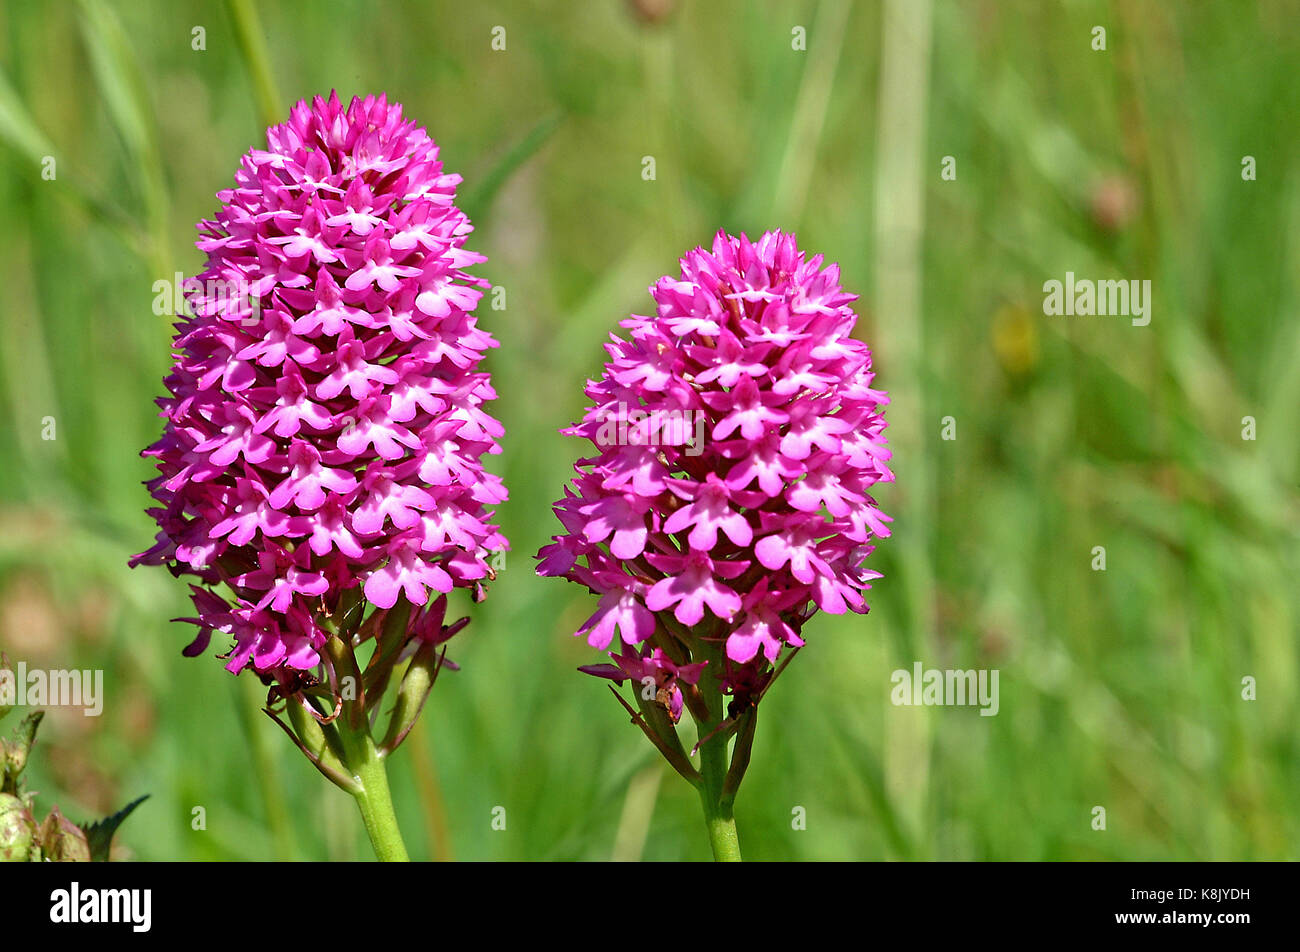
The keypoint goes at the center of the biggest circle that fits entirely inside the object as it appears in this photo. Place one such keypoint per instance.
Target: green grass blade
(478, 198)
(252, 48)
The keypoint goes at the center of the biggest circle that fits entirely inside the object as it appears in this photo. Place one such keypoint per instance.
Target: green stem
(372, 795)
(718, 817)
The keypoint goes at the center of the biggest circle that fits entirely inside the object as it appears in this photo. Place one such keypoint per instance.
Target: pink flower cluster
(747, 536)
(325, 422)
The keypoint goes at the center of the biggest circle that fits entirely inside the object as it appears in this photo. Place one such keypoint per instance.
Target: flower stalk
(716, 799)
(371, 792)
(335, 723)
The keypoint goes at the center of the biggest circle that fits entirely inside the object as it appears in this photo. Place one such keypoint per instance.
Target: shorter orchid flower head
(737, 439)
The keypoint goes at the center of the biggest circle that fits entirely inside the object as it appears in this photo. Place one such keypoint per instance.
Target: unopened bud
(15, 751)
(411, 695)
(17, 830)
(62, 840)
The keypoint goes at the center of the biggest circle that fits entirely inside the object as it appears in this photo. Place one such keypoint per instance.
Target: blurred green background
(1119, 688)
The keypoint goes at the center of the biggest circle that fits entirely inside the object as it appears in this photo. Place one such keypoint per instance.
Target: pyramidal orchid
(320, 467)
(728, 499)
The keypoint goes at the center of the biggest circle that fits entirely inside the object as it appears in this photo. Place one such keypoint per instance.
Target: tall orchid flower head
(737, 440)
(324, 421)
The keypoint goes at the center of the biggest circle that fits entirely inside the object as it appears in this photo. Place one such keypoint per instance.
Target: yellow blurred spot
(1015, 339)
